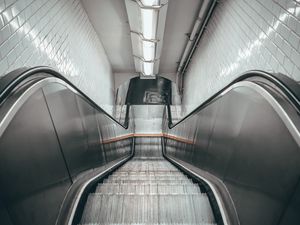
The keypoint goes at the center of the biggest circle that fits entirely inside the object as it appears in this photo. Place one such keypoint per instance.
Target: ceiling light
(150, 2)
(148, 68)
(147, 21)
(148, 50)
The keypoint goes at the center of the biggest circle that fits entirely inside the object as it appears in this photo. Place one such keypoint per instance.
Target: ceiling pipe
(201, 21)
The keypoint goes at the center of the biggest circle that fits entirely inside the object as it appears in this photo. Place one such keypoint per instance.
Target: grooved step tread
(148, 188)
(120, 178)
(148, 173)
(147, 192)
(171, 208)
(149, 181)
(148, 224)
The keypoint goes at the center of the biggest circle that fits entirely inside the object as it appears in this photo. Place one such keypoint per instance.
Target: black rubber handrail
(14, 78)
(287, 85)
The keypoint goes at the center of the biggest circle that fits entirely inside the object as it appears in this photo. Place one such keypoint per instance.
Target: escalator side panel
(270, 160)
(94, 151)
(31, 165)
(109, 131)
(226, 128)
(117, 149)
(251, 150)
(50, 141)
(265, 167)
(4, 215)
(68, 124)
(292, 211)
(202, 136)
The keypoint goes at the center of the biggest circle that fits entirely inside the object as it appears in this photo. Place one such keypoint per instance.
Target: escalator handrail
(11, 80)
(286, 84)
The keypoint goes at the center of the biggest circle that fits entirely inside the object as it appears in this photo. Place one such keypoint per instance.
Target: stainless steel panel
(39, 207)
(93, 154)
(226, 129)
(242, 139)
(67, 120)
(44, 142)
(4, 215)
(292, 211)
(117, 149)
(30, 163)
(30, 144)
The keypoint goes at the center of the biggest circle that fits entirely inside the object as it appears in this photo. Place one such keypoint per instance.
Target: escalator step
(149, 173)
(120, 178)
(147, 224)
(147, 191)
(170, 182)
(148, 188)
(120, 208)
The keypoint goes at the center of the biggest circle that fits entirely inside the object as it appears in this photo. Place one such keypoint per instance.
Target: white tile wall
(55, 33)
(243, 35)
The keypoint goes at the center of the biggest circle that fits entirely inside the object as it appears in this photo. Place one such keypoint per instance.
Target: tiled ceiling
(109, 18)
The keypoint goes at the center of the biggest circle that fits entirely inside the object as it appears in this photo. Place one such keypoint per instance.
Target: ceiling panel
(109, 18)
(180, 21)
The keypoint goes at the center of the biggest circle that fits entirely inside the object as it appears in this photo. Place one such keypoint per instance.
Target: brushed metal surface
(248, 138)
(49, 134)
(29, 151)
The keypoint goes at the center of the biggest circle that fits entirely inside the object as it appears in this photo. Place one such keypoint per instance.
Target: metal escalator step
(145, 178)
(187, 181)
(91, 209)
(146, 166)
(148, 188)
(147, 191)
(150, 209)
(146, 224)
(201, 204)
(147, 173)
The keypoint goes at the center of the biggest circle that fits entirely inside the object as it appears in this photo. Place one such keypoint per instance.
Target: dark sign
(149, 91)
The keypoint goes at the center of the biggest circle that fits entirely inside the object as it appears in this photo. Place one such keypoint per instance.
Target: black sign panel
(149, 91)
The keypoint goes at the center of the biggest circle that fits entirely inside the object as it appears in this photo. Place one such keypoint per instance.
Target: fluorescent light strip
(148, 50)
(148, 68)
(150, 2)
(149, 26)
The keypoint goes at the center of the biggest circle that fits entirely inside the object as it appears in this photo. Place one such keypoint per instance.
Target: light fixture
(148, 50)
(146, 20)
(148, 68)
(149, 23)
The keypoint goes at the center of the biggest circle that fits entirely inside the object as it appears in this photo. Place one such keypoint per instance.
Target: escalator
(233, 160)
(148, 190)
